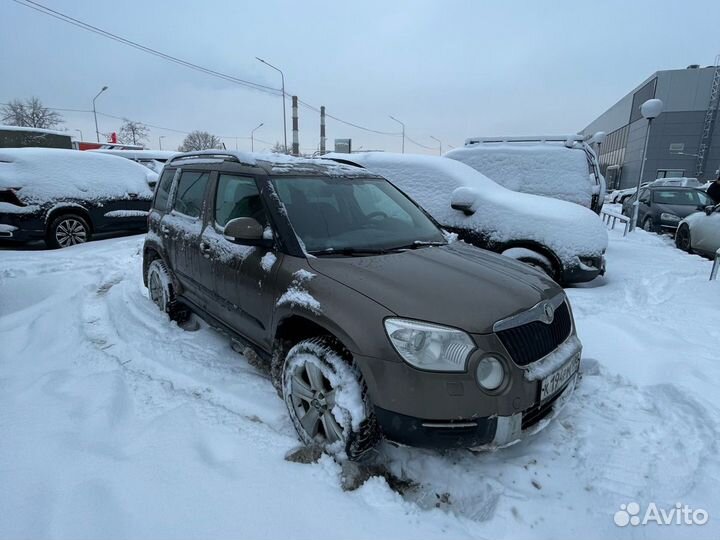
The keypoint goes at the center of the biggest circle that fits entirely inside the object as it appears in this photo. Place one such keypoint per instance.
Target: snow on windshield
(501, 214)
(46, 174)
(549, 169)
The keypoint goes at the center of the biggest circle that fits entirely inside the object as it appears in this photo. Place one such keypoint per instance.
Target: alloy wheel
(313, 398)
(70, 232)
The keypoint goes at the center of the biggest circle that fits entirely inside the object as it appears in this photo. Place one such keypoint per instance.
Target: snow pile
(549, 169)
(126, 213)
(500, 214)
(122, 424)
(267, 261)
(44, 174)
(297, 294)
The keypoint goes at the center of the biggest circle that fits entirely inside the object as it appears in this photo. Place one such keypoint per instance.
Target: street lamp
(97, 132)
(160, 138)
(403, 131)
(282, 77)
(438, 140)
(650, 110)
(81, 135)
(252, 137)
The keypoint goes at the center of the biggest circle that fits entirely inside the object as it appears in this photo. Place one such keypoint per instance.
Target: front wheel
(327, 399)
(682, 238)
(67, 230)
(648, 225)
(533, 259)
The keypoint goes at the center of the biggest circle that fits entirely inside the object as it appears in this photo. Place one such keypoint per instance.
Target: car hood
(456, 285)
(680, 210)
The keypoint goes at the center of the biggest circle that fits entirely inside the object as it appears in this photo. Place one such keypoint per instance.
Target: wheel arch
(68, 208)
(558, 267)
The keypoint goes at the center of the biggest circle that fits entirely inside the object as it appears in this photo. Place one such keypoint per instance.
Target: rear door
(239, 277)
(160, 207)
(183, 227)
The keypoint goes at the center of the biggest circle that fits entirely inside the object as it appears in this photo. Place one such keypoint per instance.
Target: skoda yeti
(372, 322)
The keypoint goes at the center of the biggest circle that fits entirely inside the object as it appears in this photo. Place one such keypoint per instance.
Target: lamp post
(160, 138)
(650, 110)
(403, 131)
(438, 140)
(80, 132)
(97, 132)
(282, 78)
(252, 137)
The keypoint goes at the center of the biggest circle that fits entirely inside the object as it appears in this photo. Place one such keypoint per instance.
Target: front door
(242, 275)
(706, 235)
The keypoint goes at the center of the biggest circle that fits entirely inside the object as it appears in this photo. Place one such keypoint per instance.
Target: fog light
(490, 373)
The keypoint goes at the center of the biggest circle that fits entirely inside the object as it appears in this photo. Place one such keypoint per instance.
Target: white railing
(716, 266)
(610, 218)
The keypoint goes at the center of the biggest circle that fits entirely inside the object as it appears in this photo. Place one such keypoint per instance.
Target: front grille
(532, 341)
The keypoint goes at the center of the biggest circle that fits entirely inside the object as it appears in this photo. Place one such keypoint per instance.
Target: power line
(40, 8)
(419, 144)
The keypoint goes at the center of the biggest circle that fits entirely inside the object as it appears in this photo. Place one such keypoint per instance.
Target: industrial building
(684, 139)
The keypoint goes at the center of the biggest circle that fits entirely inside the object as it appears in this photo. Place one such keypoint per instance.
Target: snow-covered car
(662, 208)
(564, 240)
(700, 232)
(152, 159)
(564, 168)
(370, 322)
(66, 196)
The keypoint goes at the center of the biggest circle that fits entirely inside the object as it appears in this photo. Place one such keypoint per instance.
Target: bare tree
(279, 149)
(30, 113)
(200, 140)
(133, 132)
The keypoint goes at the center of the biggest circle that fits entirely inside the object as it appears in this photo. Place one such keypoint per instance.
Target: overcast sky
(450, 69)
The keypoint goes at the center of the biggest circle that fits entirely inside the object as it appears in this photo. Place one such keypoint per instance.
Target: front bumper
(587, 269)
(490, 433)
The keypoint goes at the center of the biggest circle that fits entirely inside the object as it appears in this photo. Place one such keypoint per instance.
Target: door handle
(205, 250)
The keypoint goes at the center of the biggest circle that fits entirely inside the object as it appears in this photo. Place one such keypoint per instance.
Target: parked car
(662, 208)
(152, 159)
(564, 168)
(562, 239)
(700, 232)
(370, 321)
(65, 196)
(22, 137)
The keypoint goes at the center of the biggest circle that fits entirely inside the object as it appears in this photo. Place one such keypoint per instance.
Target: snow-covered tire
(534, 259)
(327, 398)
(647, 225)
(161, 289)
(67, 230)
(683, 239)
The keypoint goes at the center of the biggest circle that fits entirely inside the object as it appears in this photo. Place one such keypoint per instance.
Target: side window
(191, 192)
(162, 194)
(238, 196)
(645, 196)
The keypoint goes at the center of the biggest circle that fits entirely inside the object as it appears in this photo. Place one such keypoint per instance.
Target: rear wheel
(648, 224)
(162, 291)
(67, 230)
(327, 399)
(683, 239)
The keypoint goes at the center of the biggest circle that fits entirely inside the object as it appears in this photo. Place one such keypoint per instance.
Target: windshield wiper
(349, 252)
(417, 244)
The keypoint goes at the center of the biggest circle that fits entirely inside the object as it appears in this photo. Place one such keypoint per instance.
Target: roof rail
(527, 138)
(224, 155)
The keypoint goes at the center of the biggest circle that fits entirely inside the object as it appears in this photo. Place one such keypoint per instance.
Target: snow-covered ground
(118, 424)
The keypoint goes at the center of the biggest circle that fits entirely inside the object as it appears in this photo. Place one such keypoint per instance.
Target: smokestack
(322, 130)
(295, 139)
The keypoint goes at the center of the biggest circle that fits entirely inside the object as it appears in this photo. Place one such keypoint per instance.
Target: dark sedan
(66, 196)
(663, 208)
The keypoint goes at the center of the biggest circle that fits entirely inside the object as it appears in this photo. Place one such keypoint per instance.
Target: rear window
(191, 192)
(163, 190)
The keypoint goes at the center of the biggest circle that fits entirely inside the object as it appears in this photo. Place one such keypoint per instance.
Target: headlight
(490, 373)
(430, 346)
(669, 217)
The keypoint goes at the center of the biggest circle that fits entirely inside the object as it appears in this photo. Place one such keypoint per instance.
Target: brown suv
(372, 323)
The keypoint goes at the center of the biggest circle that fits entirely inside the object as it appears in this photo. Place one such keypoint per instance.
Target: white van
(563, 167)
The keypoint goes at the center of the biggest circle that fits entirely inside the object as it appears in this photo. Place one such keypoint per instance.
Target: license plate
(554, 382)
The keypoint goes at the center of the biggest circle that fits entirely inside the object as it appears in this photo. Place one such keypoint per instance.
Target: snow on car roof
(284, 164)
(137, 154)
(543, 168)
(504, 215)
(34, 130)
(44, 174)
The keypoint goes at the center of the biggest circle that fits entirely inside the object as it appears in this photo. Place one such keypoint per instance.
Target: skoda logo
(549, 313)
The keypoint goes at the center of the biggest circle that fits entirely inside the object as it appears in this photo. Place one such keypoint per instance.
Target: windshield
(330, 214)
(683, 197)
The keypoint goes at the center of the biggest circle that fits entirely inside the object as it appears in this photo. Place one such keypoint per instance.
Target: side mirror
(245, 230)
(709, 210)
(464, 199)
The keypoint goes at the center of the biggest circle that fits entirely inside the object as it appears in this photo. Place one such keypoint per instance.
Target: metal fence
(611, 218)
